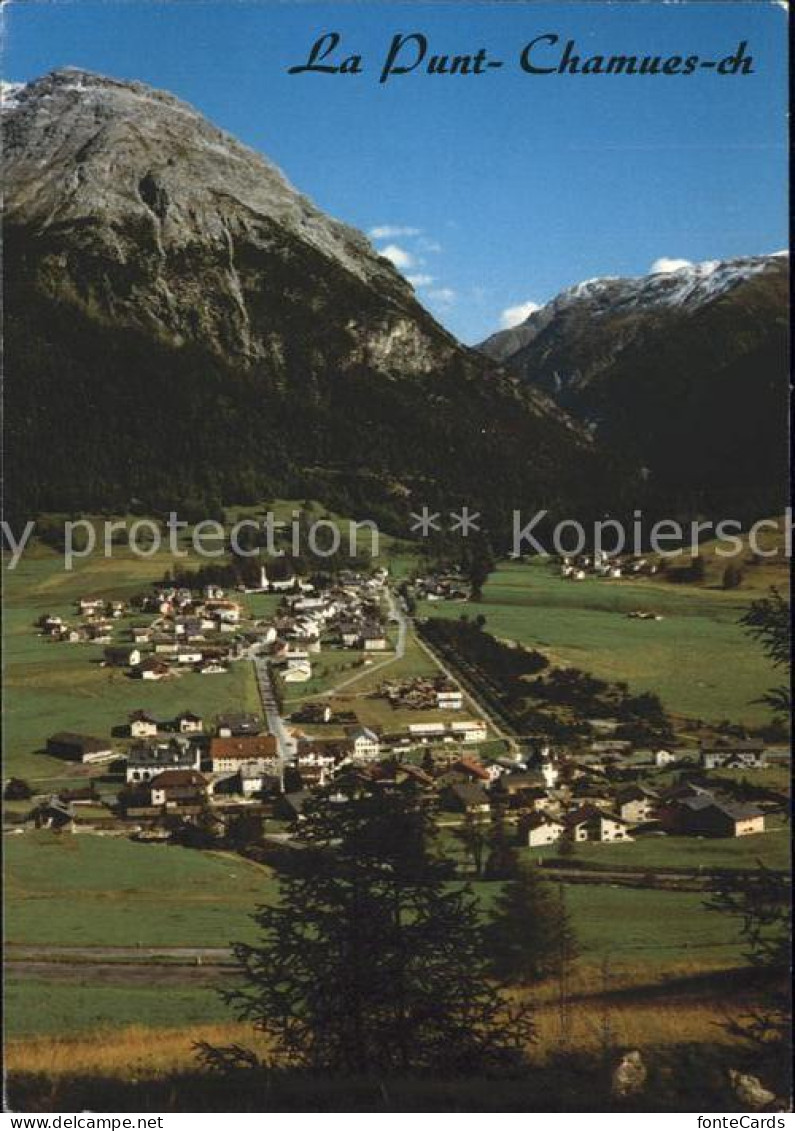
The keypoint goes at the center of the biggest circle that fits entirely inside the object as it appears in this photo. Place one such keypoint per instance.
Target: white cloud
(391, 232)
(513, 315)
(664, 265)
(420, 280)
(445, 295)
(401, 258)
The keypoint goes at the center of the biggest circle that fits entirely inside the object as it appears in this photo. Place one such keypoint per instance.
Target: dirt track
(145, 964)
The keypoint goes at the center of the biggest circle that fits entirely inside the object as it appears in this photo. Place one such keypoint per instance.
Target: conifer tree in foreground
(760, 903)
(529, 937)
(372, 960)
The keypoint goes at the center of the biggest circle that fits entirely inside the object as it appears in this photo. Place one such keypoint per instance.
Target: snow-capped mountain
(688, 287)
(691, 360)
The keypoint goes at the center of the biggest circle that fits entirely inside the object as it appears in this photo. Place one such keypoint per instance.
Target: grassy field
(56, 686)
(89, 890)
(36, 1007)
(85, 890)
(663, 937)
(757, 575)
(329, 668)
(127, 1032)
(334, 669)
(697, 659)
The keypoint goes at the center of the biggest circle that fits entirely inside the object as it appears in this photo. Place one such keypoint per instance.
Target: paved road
(286, 744)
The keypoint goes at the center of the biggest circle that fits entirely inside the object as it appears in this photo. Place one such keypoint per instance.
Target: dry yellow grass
(133, 1052)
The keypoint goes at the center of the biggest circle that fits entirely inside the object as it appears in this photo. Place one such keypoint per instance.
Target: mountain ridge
(181, 321)
(690, 285)
(693, 360)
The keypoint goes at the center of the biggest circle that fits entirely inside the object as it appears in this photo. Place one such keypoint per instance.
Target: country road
(285, 743)
(46, 952)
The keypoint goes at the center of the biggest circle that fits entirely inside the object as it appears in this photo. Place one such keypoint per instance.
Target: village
(162, 779)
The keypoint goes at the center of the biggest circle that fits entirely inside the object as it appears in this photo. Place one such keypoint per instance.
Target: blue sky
(495, 190)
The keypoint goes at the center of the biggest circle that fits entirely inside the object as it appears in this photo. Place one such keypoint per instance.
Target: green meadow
(698, 659)
(91, 891)
(84, 890)
(771, 848)
(51, 686)
(109, 891)
(35, 1007)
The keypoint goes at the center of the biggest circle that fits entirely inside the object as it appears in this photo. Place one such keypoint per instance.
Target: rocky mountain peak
(182, 323)
(687, 288)
(685, 360)
(132, 171)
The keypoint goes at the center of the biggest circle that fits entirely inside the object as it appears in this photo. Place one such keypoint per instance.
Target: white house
(146, 762)
(90, 605)
(539, 830)
(364, 743)
(228, 755)
(166, 647)
(314, 756)
(188, 723)
(550, 772)
(142, 725)
(226, 611)
(375, 643)
(153, 669)
(450, 700)
(427, 730)
(255, 778)
(471, 730)
(275, 586)
(590, 823)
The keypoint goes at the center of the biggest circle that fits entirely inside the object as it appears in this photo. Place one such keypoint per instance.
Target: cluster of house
(94, 626)
(601, 564)
(191, 631)
(205, 630)
(544, 808)
(176, 769)
(635, 810)
(347, 615)
(421, 693)
(563, 799)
